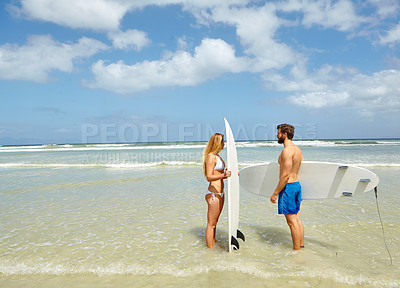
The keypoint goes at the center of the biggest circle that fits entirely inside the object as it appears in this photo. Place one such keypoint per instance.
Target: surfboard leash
(383, 231)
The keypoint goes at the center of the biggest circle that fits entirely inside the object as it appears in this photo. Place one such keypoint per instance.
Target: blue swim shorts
(289, 199)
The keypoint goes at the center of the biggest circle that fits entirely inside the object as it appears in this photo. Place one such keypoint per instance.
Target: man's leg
(301, 230)
(295, 229)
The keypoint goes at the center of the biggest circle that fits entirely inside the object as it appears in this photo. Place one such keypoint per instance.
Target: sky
(111, 71)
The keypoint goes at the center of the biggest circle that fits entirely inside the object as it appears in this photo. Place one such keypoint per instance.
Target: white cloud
(131, 39)
(392, 36)
(256, 28)
(300, 80)
(212, 58)
(386, 8)
(393, 62)
(41, 55)
(104, 15)
(320, 99)
(377, 92)
(182, 44)
(93, 14)
(340, 15)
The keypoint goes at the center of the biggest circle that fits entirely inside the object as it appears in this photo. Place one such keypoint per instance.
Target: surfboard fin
(240, 235)
(234, 243)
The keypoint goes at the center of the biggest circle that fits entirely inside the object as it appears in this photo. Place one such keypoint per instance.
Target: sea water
(134, 215)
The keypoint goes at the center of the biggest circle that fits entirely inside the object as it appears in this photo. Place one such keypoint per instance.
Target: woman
(214, 171)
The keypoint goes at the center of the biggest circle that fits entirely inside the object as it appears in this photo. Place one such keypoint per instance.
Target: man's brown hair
(288, 129)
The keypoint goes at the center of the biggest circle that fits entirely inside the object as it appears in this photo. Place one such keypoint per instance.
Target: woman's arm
(211, 161)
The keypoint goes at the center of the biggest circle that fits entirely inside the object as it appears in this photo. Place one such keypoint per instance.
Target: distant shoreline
(194, 142)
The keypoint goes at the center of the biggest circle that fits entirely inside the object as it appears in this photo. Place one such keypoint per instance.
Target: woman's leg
(214, 210)
(221, 205)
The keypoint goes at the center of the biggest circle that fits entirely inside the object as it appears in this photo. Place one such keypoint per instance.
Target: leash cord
(383, 231)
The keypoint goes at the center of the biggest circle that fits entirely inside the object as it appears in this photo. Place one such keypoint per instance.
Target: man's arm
(285, 168)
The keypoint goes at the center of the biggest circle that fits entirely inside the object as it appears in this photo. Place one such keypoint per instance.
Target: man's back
(291, 155)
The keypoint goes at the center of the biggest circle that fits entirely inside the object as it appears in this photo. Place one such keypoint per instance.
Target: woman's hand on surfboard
(227, 173)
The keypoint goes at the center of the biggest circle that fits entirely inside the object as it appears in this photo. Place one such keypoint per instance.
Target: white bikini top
(220, 165)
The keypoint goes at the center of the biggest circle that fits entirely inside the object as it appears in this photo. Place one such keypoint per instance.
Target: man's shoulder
(287, 152)
(291, 150)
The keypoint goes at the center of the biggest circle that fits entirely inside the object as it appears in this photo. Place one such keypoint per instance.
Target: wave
(320, 143)
(303, 143)
(189, 145)
(159, 164)
(388, 165)
(153, 164)
(100, 165)
(123, 269)
(96, 147)
(357, 143)
(371, 165)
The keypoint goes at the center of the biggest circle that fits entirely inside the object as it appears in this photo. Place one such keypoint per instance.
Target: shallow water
(112, 216)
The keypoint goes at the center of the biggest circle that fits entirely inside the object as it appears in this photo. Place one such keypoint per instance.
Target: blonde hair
(214, 146)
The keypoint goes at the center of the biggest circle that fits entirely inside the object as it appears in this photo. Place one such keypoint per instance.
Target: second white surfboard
(233, 197)
(319, 180)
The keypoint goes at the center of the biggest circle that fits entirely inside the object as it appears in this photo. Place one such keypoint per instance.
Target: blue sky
(75, 71)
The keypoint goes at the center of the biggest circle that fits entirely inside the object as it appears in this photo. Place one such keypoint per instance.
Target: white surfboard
(318, 180)
(233, 197)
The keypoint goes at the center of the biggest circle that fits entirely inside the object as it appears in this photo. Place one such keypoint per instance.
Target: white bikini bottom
(213, 194)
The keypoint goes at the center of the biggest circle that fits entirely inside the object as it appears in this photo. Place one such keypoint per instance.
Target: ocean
(134, 215)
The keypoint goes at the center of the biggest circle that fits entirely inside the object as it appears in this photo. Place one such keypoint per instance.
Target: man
(288, 188)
